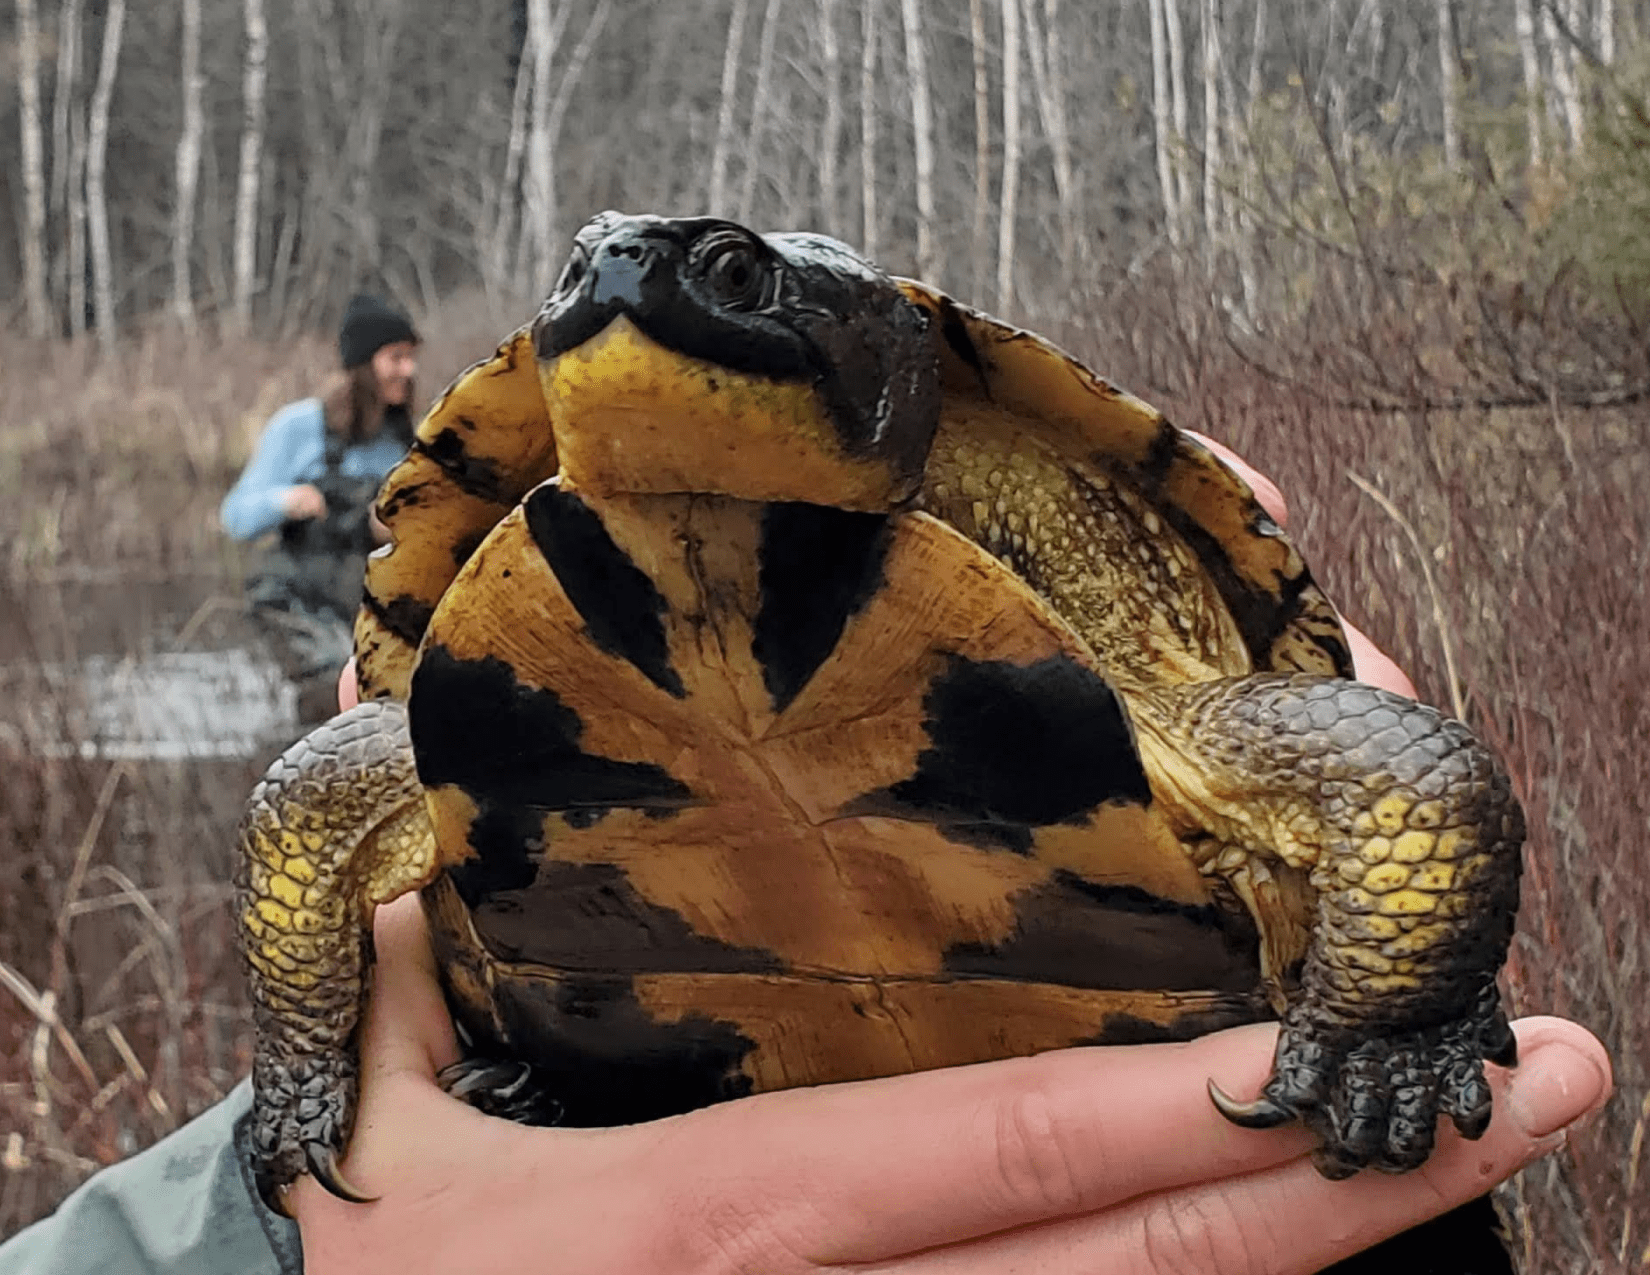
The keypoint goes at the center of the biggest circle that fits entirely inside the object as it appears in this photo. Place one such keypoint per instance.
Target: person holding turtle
(311, 482)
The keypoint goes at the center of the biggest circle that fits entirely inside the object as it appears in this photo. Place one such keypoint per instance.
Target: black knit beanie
(369, 325)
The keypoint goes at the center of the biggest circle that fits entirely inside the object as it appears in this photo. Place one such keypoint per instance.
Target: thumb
(407, 1026)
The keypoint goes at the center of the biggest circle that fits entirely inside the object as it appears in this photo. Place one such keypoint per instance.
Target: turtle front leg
(336, 827)
(1410, 836)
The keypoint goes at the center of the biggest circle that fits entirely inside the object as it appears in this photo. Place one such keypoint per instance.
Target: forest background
(1397, 252)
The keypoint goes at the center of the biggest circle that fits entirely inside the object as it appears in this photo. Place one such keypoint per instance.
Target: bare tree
(1212, 221)
(63, 88)
(1042, 43)
(252, 144)
(1449, 63)
(1561, 60)
(922, 126)
(1162, 126)
(1530, 56)
(1011, 155)
(539, 214)
(188, 165)
(97, 147)
(982, 140)
(868, 128)
(1177, 94)
(760, 109)
(1604, 31)
(724, 112)
(34, 168)
(830, 129)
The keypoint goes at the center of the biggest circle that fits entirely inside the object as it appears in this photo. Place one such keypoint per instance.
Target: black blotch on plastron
(477, 476)
(475, 726)
(602, 1056)
(1015, 747)
(818, 567)
(1080, 933)
(623, 610)
(405, 617)
(590, 917)
(508, 842)
(464, 546)
(1132, 1029)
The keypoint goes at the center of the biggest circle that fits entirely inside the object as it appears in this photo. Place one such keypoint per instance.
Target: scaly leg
(336, 827)
(1410, 836)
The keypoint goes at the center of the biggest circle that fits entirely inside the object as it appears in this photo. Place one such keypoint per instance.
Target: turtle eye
(734, 274)
(578, 262)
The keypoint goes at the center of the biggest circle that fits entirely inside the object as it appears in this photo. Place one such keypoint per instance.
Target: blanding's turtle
(783, 674)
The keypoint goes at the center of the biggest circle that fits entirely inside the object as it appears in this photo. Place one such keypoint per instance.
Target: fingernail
(1554, 1086)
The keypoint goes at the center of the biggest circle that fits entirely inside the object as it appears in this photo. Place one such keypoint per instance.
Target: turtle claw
(302, 1111)
(1375, 1100)
(1262, 1113)
(507, 1089)
(323, 1167)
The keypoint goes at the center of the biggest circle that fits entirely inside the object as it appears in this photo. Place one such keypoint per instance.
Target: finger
(1290, 1219)
(407, 1026)
(349, 693)
(856, 1172)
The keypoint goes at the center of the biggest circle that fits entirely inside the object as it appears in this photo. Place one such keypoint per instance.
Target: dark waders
(306, 588)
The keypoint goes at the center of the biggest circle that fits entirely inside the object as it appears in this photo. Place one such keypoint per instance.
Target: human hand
(1078, 1160)
(303, 501)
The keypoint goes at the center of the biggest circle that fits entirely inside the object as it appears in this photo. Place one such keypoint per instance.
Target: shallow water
(166, 670)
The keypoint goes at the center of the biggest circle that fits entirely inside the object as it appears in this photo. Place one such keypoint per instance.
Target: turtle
(781, 673)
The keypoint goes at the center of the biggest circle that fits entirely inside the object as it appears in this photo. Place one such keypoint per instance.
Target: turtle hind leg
(1410, 837)
(336, 827)
(508, 1089)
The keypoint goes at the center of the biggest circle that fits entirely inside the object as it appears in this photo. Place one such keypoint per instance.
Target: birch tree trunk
(1604, 31)
(509, 199)
(1011, 155)
(34, 168)
(97, 146)
(724, 112)
(982, 142)
(922, 125)
(1530, 56)
(536, 217)
(1177, 95)
(868, 129)
(252, 145)
(1562, 59)
(1161, 126)
(188, 166)
(830, 132)
(1449, 67)
(1212, 220)
(759, 111)
(68, 70)
(1042, 42)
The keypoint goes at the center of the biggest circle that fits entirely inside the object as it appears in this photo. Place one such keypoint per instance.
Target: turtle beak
(629, 268)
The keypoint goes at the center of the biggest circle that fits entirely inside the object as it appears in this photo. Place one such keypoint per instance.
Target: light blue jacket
(292, 450)
(183, 1207)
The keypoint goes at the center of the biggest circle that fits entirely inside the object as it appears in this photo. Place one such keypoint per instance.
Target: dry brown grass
(120, 1007)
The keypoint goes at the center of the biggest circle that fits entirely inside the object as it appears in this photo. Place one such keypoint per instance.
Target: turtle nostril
(632, 250)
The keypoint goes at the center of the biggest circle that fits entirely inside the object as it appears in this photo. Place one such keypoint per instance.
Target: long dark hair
(350, 402)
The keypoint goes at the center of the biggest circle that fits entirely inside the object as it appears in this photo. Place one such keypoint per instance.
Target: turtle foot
(1375, 1100)
(302, 1112)
(510, 1090)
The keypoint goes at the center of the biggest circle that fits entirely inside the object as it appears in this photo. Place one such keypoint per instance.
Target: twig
(1457, 701)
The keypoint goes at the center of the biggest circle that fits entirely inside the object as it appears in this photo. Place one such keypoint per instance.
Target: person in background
(309, 487)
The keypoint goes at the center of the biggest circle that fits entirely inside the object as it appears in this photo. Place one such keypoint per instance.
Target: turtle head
(693, 355)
